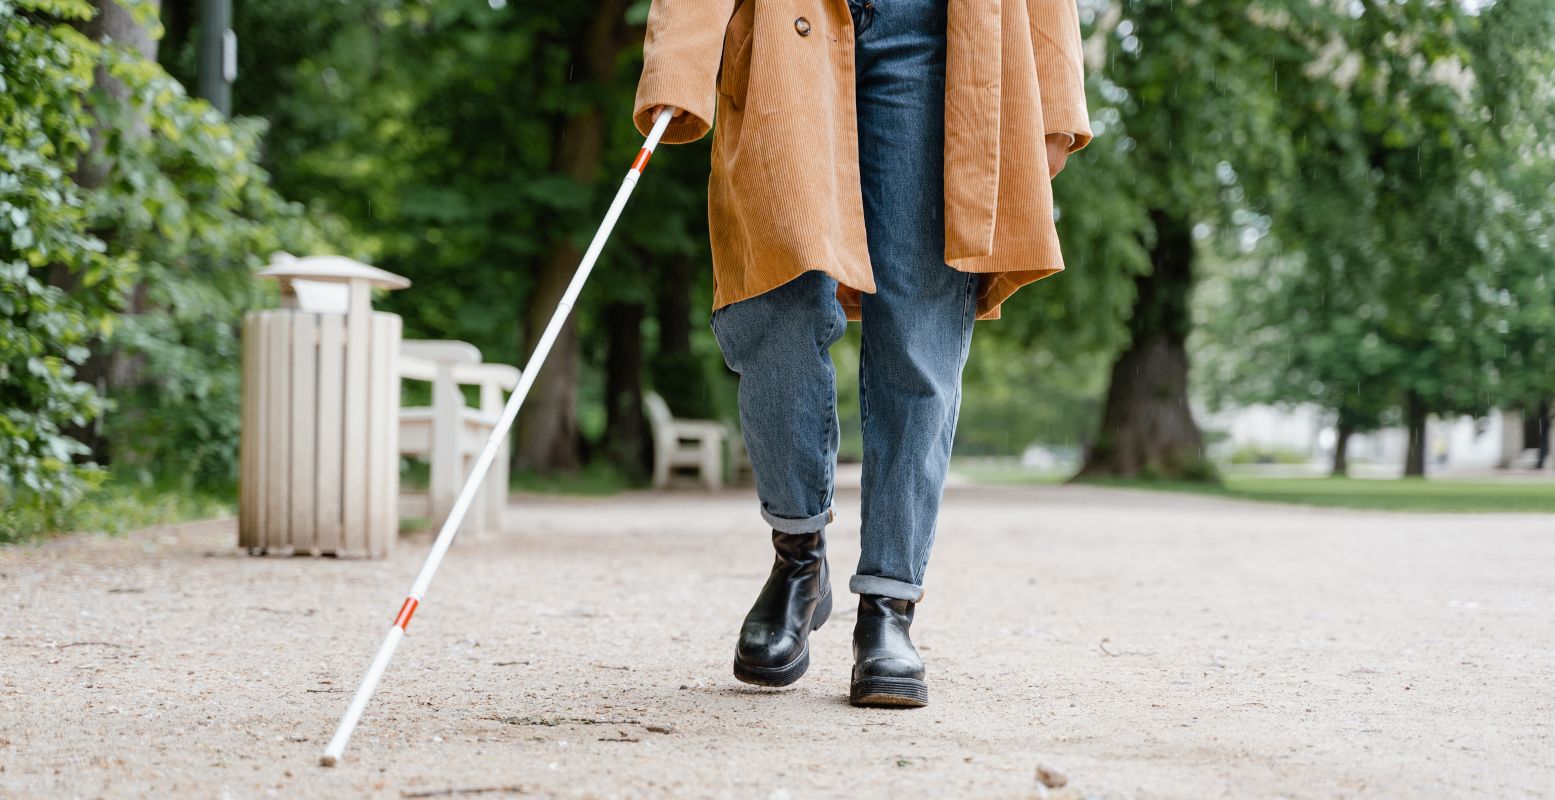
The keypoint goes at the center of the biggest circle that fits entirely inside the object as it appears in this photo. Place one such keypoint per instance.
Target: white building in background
(1462, 444)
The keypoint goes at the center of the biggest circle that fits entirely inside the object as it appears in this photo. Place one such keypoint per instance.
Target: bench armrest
(502, 376)
(442, 351)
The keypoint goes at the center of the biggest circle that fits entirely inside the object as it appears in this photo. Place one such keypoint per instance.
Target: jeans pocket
(974, 283)
(863, 12)
(838, 324)
(725, 346)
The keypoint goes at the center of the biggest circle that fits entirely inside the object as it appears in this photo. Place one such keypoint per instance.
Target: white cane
(450, 529)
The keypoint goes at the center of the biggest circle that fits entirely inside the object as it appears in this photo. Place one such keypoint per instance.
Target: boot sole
(792, 671)
(889, 692)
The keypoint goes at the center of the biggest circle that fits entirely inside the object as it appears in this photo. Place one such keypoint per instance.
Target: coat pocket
(734, 71)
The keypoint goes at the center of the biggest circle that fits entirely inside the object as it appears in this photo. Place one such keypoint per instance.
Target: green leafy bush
(194, 216)
(45, 244)
(151, 267)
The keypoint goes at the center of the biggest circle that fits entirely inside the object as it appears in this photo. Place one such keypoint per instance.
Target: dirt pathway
(1146, 645)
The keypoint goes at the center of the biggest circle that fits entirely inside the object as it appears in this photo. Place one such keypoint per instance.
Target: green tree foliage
(193, 214)
(172, 233)
(188, 211)
(1512, 49)
(448, 133)
(1192, 91)
(1411, 245)
(45, 70)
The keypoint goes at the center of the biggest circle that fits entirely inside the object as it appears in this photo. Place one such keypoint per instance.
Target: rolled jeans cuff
(885, 587)
(805, 525)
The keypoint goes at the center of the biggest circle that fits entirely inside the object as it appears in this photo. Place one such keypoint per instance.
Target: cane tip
(328, 760)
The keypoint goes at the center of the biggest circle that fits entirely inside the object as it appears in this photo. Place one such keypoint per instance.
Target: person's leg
(779, 344)
(917, 328)
(918, 325)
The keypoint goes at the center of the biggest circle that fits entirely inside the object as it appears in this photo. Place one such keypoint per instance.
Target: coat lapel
(973, 73)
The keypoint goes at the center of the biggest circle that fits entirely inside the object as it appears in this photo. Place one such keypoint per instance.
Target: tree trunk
(674, 304)
(210, 78)
(1342, 448)
(626, 431)
(1414, 423)
(103, 369)
(1147, 428)
(547, 436)
(1536, 432)
(113, 23)
(678, 374)
(177, 25)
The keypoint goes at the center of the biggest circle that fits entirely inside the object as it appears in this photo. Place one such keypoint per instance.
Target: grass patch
(1426, 495)
(591, 481)
(1003, 473)
(595, 480)
(115, 507)
(1408, 494)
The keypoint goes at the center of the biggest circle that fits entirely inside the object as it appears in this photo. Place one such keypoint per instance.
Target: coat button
(802, 25)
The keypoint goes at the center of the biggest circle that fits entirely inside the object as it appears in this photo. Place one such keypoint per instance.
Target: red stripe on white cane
(407, 610)
(642, 160)
(472, 483)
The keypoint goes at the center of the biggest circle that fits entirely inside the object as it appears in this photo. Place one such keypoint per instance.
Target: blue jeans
(917, 326)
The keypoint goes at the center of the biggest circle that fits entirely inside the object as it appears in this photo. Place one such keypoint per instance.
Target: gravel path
(1146, 645)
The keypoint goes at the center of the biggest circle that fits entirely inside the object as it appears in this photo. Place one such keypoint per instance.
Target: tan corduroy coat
(784, 195)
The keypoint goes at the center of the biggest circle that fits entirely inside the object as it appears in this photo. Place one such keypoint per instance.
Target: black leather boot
(774, 646)
(887, 670)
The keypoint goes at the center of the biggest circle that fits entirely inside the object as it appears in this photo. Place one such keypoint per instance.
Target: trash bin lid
(333, 269)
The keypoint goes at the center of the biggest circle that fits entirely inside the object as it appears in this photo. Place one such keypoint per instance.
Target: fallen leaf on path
(1051, 778)
(452, 791)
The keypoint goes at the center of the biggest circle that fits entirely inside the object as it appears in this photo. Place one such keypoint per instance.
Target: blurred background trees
(1342, 203)
(1388, 288)
(131, 219)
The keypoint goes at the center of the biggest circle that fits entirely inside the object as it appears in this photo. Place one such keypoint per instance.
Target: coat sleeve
(682, 50)
(1061, 69)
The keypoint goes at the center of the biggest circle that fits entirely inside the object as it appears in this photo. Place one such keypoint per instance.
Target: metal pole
(450, 529)
(218, 54)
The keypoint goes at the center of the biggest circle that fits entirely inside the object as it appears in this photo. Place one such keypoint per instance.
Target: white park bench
(450, 434)
(681, 443)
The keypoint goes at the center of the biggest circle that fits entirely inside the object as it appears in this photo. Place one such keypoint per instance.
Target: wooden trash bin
(319, 448)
